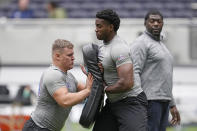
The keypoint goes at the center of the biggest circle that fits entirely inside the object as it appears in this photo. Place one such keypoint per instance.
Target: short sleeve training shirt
(112, 55)
(48, 114)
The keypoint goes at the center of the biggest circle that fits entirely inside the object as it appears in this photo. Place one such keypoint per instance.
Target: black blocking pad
(94, 102)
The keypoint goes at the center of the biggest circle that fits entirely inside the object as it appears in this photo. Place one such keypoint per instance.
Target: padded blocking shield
(94, 102)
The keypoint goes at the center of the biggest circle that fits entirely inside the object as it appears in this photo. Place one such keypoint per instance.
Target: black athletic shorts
(129, 114)
(30, 125)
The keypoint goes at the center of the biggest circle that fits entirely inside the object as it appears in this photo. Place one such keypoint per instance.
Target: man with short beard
(153, 65)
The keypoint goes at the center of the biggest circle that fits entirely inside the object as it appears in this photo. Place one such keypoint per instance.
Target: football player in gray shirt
(125, 108)
(58, 90)
(153, 64)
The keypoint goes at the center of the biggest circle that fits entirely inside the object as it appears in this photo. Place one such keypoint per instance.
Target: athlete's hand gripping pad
(94, 102)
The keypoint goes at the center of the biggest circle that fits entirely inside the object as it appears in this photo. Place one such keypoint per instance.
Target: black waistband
(141, 98)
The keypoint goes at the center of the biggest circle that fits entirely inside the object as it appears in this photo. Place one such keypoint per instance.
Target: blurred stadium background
(25, 46)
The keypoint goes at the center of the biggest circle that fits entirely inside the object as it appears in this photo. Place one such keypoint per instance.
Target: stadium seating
(126, 8)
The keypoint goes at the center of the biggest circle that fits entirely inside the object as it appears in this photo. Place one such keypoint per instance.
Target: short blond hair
(60, 44)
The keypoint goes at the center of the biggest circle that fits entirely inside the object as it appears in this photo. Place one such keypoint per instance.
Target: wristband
(105, 88)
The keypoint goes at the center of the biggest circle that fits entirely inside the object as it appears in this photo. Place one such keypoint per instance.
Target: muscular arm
(125, 82)
(65, 98)
(80, 86)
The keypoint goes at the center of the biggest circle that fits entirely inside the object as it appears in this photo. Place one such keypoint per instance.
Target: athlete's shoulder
(120, 46)
(119, 40)
(70, 75)
(52, 74)
(142, 41)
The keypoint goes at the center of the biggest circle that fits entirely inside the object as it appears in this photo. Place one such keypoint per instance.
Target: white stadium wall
(28, 42)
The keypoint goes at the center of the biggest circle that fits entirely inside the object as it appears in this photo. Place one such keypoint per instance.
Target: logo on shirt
(121, 57)
(68, 85)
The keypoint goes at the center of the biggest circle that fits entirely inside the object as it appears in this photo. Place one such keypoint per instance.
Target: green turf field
(74, 127)
(183, 129)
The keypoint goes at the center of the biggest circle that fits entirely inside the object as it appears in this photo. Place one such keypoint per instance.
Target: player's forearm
(81, 86)
(74, 98)
(122, 85)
